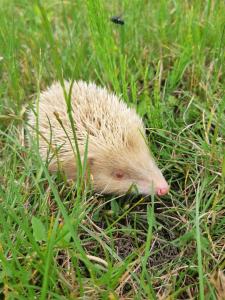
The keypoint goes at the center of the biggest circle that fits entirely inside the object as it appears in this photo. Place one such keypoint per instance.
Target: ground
(62, 241)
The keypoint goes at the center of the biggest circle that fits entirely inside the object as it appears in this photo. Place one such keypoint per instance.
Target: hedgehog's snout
(155, 182)
(162, 189)
(161, 186)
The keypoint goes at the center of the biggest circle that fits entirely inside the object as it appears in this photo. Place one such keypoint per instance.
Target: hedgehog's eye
(118, 174)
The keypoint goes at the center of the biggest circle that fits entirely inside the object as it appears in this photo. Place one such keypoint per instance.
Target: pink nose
(161, 191)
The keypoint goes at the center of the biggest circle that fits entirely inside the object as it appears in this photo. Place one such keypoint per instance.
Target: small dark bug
(117, 20)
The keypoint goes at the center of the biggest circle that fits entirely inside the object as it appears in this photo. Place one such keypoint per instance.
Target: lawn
(58, 241)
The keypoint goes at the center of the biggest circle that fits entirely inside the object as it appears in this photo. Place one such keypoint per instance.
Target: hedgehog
(118, 156)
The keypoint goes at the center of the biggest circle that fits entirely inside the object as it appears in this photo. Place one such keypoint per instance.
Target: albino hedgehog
(118, 156)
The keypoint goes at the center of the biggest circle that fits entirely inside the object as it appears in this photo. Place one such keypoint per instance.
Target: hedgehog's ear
(70, 169)
(91, 161)
(68, 166)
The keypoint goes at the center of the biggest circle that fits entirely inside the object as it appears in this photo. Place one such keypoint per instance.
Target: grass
(58, 241)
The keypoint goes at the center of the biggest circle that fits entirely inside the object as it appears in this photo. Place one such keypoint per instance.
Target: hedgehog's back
(100, 114)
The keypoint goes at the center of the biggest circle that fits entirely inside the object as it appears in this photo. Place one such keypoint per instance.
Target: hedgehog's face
(117, 171)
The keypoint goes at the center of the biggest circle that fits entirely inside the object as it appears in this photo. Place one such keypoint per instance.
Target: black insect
(117, 20)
